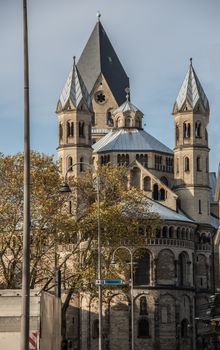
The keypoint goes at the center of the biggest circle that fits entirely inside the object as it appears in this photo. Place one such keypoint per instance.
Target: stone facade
(176, 275)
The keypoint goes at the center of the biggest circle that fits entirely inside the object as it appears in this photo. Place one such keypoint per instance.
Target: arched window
(206, 134)
(155, 192)
(186, 130)
(198, 164)
(69, 163)
(81, 168)
(95, 329)
(127, 122)
(164, 232)
(182, 269)
(143, 306)
(164, 180)
(135, 177)
(70, 129)
(177, 132)
(127, 159)
(162, 194)
(186, 164)
(145, 161)
(177, 166)
(184, 328)
(90, 131)
(109, 120)
(147, 183)
(143, 328)
(60, 132)
(178, 235)
(142, 271)
(81, 129)
(171, 232)
(198, 130)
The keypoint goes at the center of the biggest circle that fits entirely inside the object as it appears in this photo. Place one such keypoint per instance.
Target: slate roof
(126, 107)
(167, 213)
(129, 140)
(191, 91)
(212, 184)
(214, 222)
(99, 57)
(74, 90)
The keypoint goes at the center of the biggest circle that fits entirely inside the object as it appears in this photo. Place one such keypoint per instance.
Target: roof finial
(127, 90)
(190, 60)
(74, 60)
(98, 16)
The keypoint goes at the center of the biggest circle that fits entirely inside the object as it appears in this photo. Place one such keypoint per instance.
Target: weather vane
(98, 15)
(74, 60)
(127, 90)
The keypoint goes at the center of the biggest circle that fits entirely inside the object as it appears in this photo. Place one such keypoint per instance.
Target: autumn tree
(64, 236)
(123, 212)
(48, 219)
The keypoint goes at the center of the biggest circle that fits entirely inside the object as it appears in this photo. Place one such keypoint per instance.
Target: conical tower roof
(99, 57)
(74, 91)
(191, 92)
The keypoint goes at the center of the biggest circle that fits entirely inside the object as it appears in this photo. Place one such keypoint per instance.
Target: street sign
(109, 282)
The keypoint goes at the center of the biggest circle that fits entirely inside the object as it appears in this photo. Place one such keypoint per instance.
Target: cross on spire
(98, 16)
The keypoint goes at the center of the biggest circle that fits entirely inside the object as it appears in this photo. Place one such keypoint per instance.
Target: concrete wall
(10, 313)
(50, 314)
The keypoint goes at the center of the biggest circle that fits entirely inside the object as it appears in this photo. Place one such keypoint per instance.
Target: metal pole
(132, 302)
(99, 265)
(24, 345)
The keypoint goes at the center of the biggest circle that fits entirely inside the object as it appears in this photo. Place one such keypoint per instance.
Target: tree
(48, 219)
(123, 211)
(60, 239)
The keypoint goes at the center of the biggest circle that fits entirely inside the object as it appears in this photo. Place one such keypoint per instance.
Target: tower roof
(191, 91)
(99, 57)
(74, 90)
(126, 107)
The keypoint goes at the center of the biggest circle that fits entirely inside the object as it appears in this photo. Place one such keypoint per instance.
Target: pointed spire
(74, 90)
(191, 92)
(99, 58)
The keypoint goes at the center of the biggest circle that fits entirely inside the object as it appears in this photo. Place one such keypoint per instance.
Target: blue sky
(154, 40)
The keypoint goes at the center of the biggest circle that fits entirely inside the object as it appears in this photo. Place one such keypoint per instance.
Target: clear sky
(154, 40)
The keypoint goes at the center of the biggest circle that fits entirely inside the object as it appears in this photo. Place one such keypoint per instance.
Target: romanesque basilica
(97, 124)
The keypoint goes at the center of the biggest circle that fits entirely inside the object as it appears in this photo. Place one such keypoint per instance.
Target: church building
(99, 124)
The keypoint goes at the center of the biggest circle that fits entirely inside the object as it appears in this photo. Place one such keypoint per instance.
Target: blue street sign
(109, 282)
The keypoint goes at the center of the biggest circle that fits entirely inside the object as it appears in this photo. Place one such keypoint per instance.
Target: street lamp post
(131, 252)
(25, 311)
(65, 188)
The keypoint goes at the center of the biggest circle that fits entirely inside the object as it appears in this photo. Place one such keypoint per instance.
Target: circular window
(100, 97)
